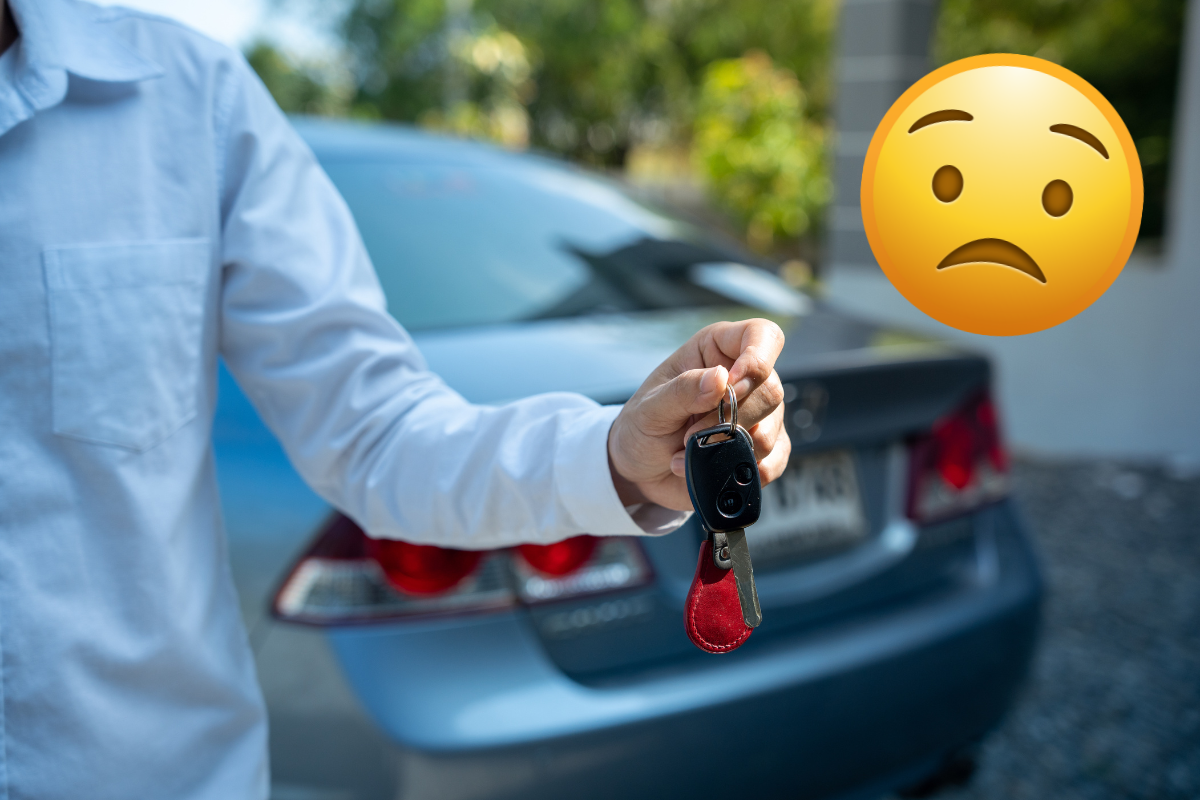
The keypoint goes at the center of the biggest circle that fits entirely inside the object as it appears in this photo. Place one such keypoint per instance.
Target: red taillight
(559, 558)
(422, 568)
(959, 465)
(346, 576)
(989, 427)
(954, 449)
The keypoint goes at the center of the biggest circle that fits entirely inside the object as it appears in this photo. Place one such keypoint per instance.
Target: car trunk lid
(854, 394)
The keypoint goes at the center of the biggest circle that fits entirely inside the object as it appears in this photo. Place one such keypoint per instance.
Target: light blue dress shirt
(157, 210)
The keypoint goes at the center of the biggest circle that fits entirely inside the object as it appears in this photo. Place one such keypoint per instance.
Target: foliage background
(732, 94)
(759, 153)
(598, 82)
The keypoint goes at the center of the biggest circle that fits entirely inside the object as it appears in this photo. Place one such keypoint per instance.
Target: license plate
(814, 508)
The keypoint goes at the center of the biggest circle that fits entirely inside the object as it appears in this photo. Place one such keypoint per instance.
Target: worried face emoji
(1002, 194)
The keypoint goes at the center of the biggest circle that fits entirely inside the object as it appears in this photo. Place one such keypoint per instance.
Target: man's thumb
(696, 391)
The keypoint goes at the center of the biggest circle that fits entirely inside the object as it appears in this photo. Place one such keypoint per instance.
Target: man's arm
(305, 331)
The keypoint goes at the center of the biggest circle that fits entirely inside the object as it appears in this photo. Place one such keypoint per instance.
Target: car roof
(340, 138)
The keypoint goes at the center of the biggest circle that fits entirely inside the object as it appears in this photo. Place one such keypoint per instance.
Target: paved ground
(1113, 707)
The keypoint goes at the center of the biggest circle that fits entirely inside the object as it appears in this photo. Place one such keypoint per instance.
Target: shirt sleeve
(305, 331)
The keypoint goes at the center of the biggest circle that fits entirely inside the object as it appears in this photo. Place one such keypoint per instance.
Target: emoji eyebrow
(1081, 135)
(949, 115)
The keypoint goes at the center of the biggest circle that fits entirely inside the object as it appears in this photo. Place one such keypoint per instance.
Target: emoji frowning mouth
(994, 251)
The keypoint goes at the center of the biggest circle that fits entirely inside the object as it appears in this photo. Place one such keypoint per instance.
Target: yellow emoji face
(1002, 194)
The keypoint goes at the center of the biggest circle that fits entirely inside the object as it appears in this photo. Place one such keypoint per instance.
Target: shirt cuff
(585, 486)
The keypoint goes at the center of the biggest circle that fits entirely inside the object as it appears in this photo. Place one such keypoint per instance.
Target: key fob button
(744, 473)
(729, 503)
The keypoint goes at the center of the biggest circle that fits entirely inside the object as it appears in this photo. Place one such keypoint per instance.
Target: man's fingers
(764, 401)
(672, 404)
(761, 403)
(766, 433)
(772, 466)
(754, 344)
(748, 349)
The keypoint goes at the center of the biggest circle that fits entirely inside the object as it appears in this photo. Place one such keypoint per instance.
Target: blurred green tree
(763, 158)
(299, 88)
(496, 65)
(601, 77)
(592, 80)
(1128, 49)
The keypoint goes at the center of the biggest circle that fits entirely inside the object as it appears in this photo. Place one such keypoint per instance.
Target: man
(156, 211)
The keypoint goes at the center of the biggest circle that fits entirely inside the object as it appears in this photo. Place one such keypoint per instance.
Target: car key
(726, 491)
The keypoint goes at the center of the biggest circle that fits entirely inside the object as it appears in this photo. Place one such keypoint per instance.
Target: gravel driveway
(1112, 709)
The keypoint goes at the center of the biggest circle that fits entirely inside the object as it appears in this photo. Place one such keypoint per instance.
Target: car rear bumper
(474, 708)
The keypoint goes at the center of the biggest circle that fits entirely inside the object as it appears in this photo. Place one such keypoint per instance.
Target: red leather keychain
(712, 614)
(722, 606)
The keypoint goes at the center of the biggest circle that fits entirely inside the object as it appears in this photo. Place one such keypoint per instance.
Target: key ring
(732, 410)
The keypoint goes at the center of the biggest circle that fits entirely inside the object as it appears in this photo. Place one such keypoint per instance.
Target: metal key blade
(743, 573)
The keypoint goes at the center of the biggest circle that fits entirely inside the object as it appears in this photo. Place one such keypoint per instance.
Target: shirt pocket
(125, 338)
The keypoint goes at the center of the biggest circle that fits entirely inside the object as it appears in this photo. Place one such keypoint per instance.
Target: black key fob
(722, 478)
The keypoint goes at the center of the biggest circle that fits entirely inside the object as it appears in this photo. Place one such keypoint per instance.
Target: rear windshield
(457, 246)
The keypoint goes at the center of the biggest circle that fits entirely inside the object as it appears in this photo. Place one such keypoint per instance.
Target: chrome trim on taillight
(617, 563)
(338, 582)
(326, 591)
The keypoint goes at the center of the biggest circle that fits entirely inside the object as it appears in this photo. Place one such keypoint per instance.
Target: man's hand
(647, 439)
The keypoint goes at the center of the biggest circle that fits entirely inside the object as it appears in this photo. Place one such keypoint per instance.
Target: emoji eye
(1057, 198)
(947, 184)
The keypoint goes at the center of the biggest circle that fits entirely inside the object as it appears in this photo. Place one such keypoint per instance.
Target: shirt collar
(63, 35)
